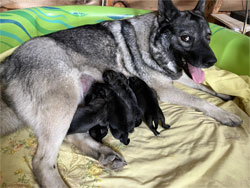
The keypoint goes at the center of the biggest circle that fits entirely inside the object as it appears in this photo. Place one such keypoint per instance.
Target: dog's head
(184, 37)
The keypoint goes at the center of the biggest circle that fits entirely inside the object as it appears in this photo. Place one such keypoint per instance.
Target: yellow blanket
(195, 152)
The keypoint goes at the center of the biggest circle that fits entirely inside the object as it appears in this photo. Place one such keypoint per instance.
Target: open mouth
(194, 73)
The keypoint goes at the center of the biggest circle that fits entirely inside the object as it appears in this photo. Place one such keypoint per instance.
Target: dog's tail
(9, 122)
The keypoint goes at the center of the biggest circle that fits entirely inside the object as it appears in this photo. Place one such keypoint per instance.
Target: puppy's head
(120, 135)
(98, 91)
(186, 34)
(112, 77)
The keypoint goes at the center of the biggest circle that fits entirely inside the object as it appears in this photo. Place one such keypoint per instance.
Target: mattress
(196, 152)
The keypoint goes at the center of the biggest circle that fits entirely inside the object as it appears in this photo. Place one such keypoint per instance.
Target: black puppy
(120, 84)
(124, 103)
(105, 107)
(147, 101)
(93, 110)
(126, 112)
(119, 118)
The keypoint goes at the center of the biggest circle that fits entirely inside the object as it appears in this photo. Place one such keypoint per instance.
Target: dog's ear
(166, 10)
(200, 6)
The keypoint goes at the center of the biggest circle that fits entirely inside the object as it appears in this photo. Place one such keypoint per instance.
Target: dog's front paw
(225, 97)
(226, 118)
(110, 159)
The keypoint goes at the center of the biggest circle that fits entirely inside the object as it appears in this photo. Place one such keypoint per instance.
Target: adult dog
(51, 74)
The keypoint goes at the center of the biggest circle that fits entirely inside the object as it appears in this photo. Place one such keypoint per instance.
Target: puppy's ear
(109, 75)
(167, 11)
(200, 7)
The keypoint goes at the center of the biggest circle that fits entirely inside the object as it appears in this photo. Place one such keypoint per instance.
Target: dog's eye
(185, 38)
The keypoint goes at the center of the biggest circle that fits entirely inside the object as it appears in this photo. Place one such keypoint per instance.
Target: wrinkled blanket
(195, 152)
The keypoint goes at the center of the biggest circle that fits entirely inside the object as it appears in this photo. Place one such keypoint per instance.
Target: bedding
(195, 152)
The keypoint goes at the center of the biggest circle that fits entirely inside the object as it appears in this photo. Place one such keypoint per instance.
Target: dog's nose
(212, 60)
(209, 61)
(207, 55)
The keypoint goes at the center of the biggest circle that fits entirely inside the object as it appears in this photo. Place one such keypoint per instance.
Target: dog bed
(195, 152)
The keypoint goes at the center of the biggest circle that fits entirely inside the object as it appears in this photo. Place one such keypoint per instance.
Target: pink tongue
(197, 74)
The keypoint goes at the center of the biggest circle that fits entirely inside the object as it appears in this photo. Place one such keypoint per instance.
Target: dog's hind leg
(54, 117)
(48, 110)
(105, 155)
(184, 79)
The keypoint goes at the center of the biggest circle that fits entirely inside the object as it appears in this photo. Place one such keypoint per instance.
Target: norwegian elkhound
(45, 79)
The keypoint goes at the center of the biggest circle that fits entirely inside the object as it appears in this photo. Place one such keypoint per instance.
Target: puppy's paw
(110, 159)
(155, 115)
(166, 126)
(149, 123)
(225, 118)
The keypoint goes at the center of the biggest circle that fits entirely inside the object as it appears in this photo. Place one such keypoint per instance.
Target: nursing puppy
(145, 97)
(42, 84)
(148, 103)
(119, 84)
(92, 112)
(124, 113)
(102, 109)
(108, 106)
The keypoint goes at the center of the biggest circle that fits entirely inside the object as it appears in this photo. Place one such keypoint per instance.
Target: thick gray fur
(45, 79)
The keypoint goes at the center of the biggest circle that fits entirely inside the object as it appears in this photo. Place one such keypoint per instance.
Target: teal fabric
(17, 26)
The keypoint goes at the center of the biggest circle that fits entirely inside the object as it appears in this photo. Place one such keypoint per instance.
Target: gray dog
(44, 80)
